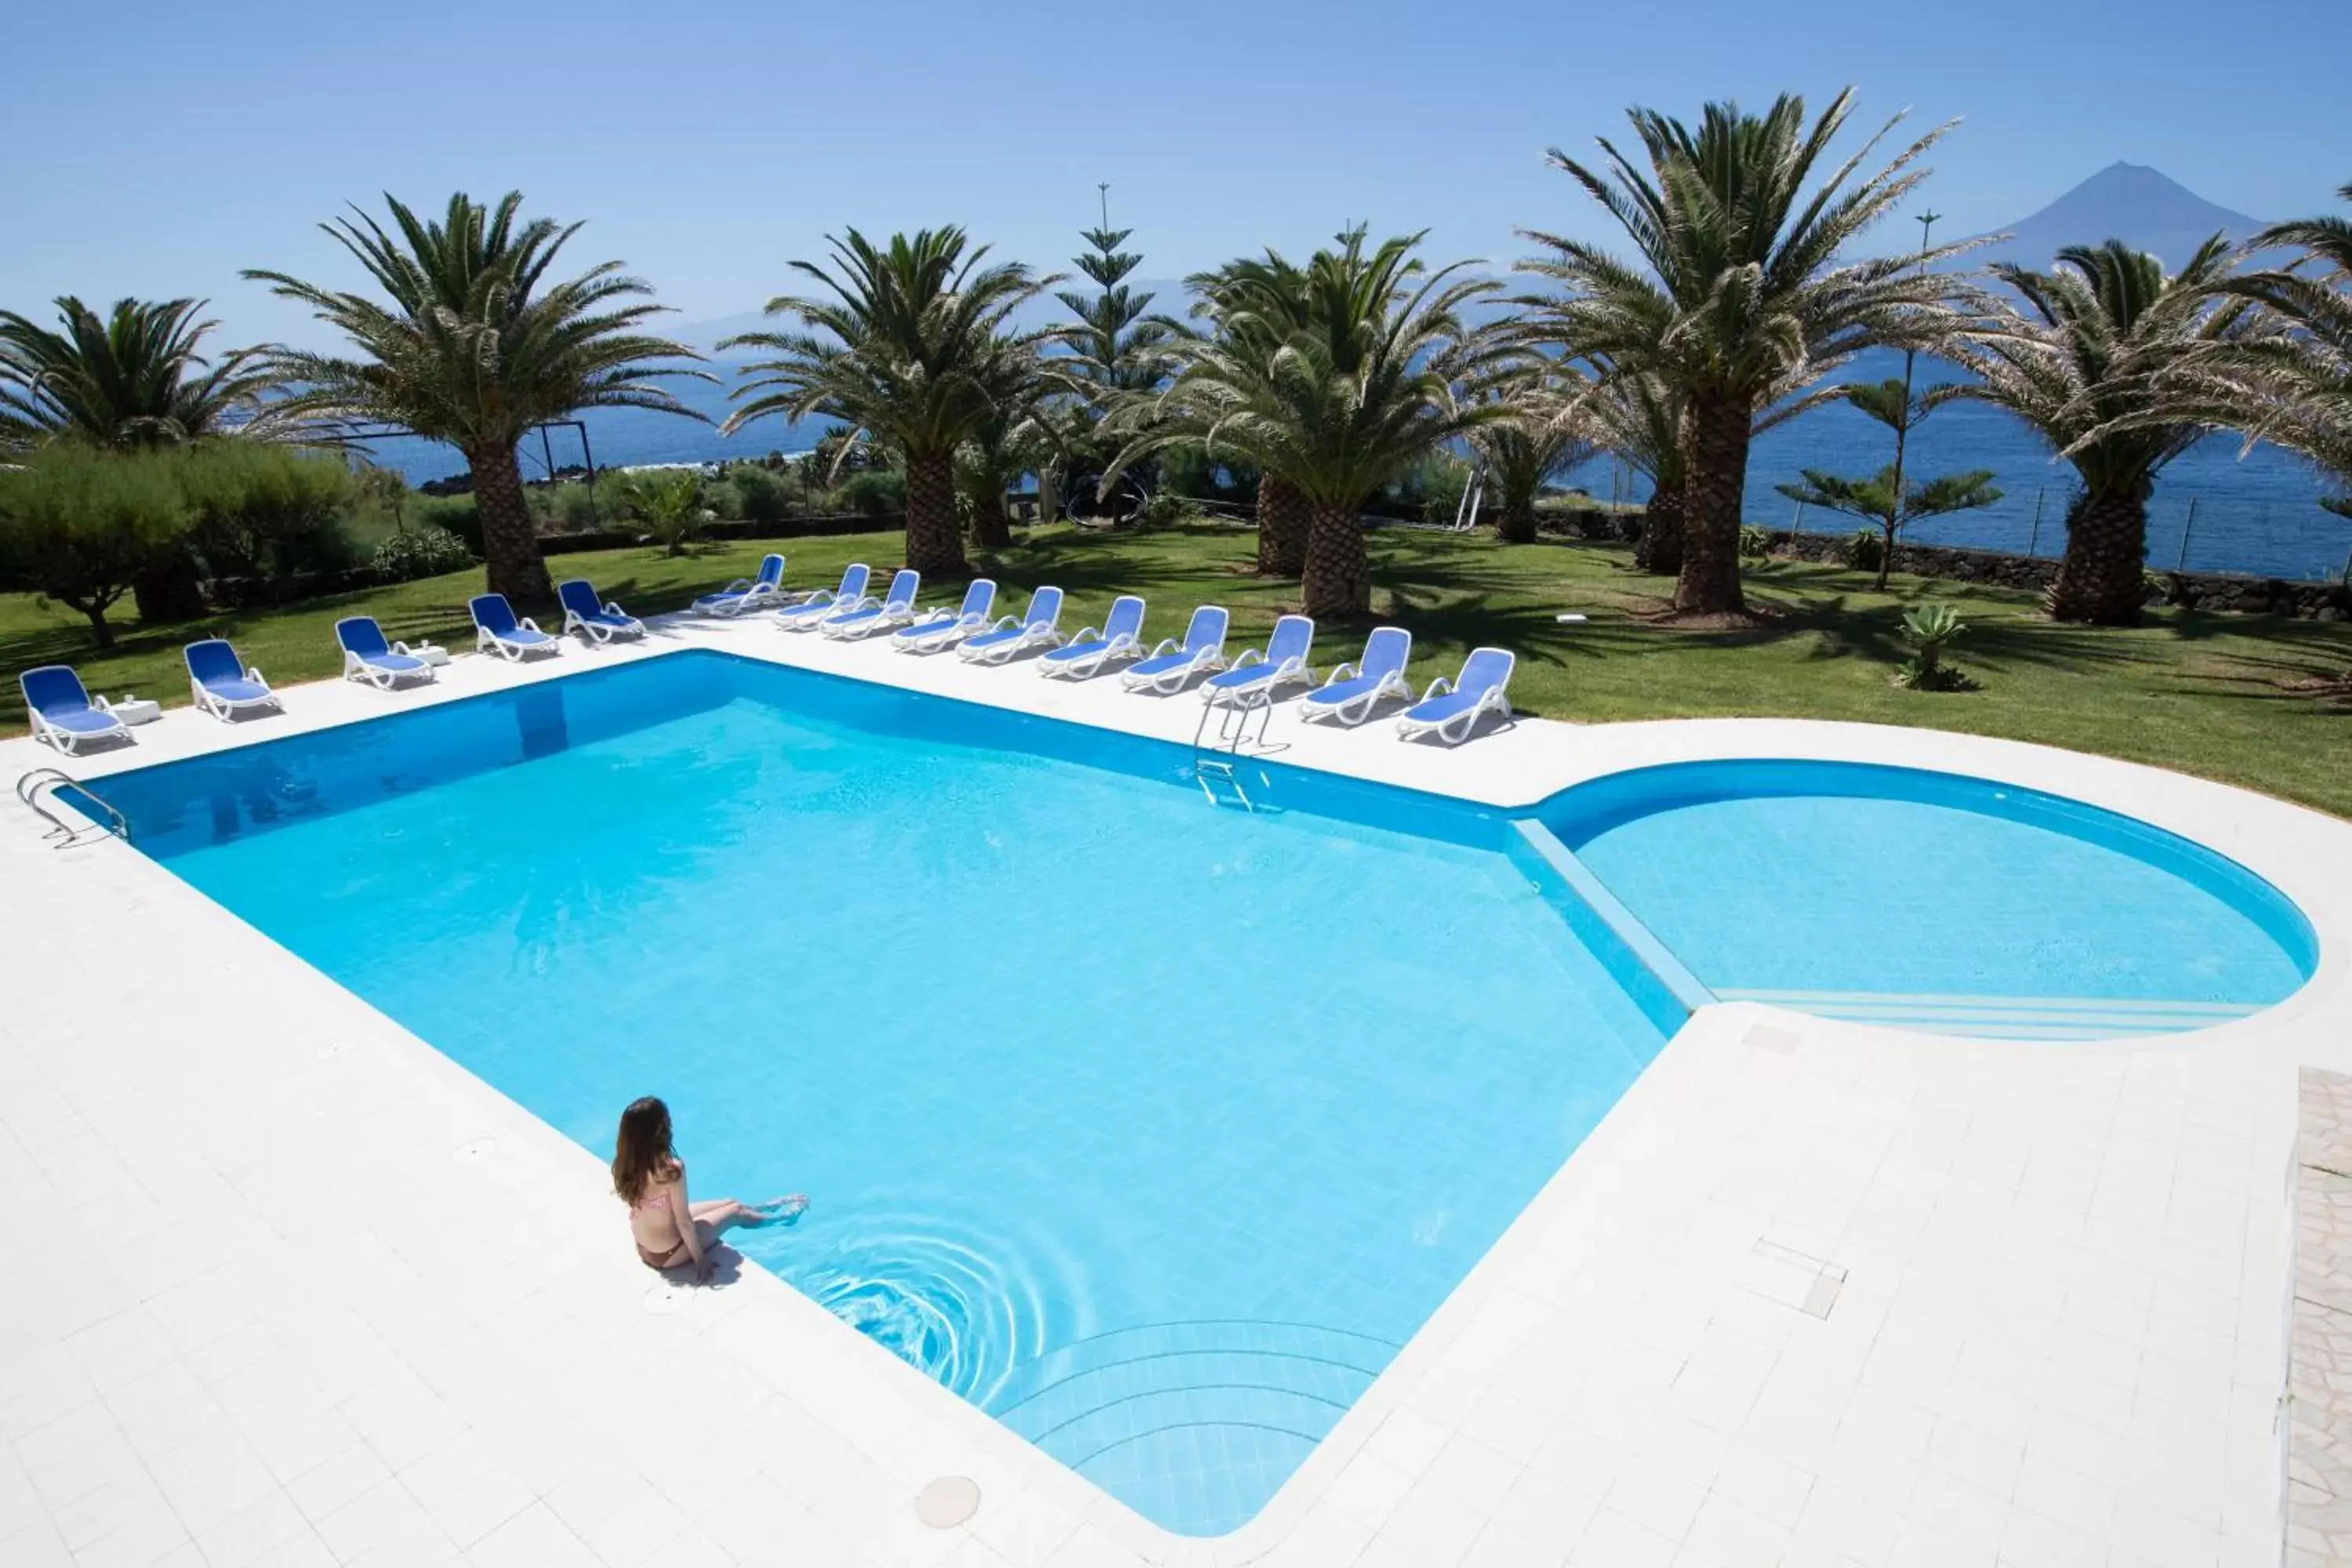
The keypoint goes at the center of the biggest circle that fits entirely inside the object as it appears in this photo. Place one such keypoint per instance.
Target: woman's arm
(687, 1230)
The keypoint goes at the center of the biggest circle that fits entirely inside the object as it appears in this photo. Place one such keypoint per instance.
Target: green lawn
(2228, 697)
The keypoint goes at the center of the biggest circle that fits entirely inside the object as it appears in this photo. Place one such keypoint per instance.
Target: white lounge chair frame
(357, 668)
(1293, 668)
(941, 629)
(1205, 660)
(744, 596)
(63, 742)
(1456, 728)
(1125, 646)
(1043, 634)
(803, 612)
(596, 631)
(1358, 708)
(488, 640)
(887, 616)
(226, 708)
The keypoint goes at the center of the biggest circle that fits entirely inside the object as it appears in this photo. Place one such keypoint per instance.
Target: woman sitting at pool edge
(671, 1232)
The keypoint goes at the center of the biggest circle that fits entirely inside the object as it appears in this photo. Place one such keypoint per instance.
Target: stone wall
(2199, 590)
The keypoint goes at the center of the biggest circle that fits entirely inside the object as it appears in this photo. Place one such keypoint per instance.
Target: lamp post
(1910, 359)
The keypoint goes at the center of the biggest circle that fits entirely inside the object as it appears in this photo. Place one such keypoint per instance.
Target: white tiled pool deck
(286, 1286)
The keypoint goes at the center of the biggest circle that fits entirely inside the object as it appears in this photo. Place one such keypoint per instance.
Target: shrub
(1166, 509)
(760, 496)
(1863, 549)
(1931, 629)
(455, 514)
(425, 552)
(568, 507)
(1754, 542)
(268, 510)
(80, 525)
(871, 492)
(668, 501)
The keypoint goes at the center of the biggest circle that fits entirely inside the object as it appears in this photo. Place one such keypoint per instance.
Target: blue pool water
(1151, 1128)
(1932, 902)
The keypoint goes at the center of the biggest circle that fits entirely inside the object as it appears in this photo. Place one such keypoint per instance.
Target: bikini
(677, 1254)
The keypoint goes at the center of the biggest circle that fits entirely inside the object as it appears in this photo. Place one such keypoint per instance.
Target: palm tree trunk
(509, 538)
(1709, 582)
(1516, 523)
(1659, 550)
(934, 536)
(2103, 578)
(1337, 577)
(992, 525)
(1282, 524)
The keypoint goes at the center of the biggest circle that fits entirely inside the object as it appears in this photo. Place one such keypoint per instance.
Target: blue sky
(157, 151)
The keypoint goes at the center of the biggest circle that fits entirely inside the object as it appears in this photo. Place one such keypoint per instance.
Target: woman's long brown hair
(642, 1154)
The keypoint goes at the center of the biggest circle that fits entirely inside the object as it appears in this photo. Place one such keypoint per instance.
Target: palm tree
(912, 349)
(476, 346)
(1739, 285)
(2082, 364)
(1542, 437)
(1264, 295)
(1637, 418)
(135, 377)
(1372, 374)
(1016, 439)
(2287, 377)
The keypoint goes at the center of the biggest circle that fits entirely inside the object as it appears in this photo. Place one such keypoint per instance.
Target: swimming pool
(1932, 901)
(1151, 1128)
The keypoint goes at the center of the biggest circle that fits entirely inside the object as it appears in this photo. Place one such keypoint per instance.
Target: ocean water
(1151, 1128)
(2258, 513)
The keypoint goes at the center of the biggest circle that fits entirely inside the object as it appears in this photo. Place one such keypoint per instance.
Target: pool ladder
(1216, 760)
(61, 834)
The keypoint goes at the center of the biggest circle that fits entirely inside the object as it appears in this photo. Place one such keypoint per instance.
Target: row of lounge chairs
(1449, 709)
(62, 711)
(64, 714)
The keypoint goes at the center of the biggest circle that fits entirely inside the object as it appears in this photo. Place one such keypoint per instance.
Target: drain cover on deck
(948, 1501)
(1793, 1278)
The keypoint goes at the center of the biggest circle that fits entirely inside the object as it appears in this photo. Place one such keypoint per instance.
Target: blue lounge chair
(496, 630)
(825, 602)
(747, 593)
(62, 710)
(896, 608)
(1450, 710)
(1176, 661)
(945, 628)
(1353, 690)
(367, 657)
(1255, 676)
(1119, 637)
(1039, 627)
(223, 685)
(595, 620)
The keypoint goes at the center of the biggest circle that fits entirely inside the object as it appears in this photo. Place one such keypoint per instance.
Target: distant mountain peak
(2135, 203)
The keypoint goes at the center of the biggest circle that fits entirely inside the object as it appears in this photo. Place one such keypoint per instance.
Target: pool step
(1214, 1413)
(2003, 1018)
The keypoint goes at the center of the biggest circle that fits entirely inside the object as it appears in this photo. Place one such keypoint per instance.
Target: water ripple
(964, 1305)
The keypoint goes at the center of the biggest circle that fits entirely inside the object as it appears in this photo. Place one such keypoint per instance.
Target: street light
(1910, 358)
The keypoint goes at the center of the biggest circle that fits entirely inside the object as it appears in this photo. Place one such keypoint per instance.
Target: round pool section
(1934, 902)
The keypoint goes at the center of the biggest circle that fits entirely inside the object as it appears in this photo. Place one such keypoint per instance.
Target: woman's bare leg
(721, 1213)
